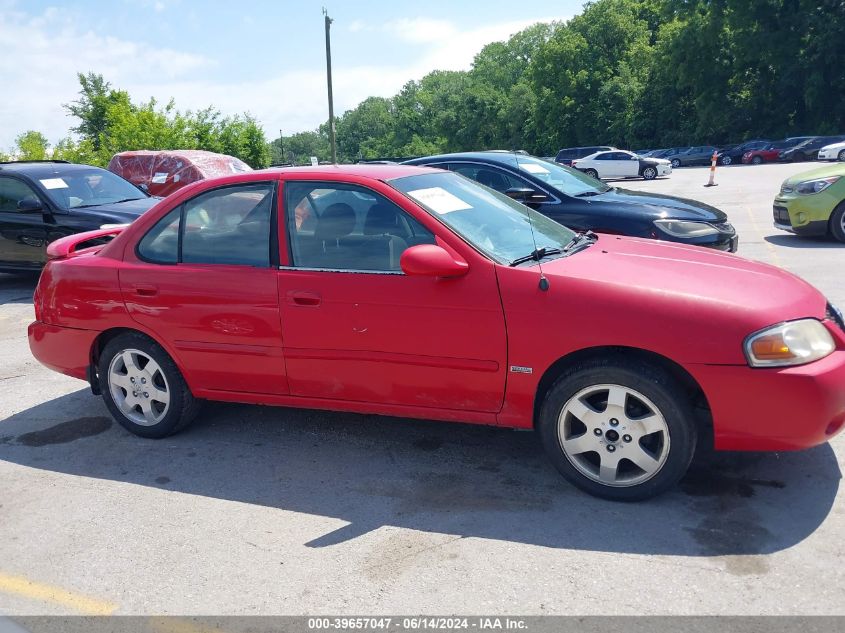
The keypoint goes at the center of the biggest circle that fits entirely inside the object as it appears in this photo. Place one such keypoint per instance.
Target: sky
(265, 58)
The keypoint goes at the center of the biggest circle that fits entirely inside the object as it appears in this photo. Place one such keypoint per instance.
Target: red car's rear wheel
(142, 387)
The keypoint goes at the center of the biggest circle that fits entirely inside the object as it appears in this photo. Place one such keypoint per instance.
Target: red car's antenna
(544, 283)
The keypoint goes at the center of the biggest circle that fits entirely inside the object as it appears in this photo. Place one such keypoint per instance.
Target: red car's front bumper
(62, 349)
(775, 409)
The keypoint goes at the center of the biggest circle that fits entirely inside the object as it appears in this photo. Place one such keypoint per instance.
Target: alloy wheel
(138, 387)
(613, 435)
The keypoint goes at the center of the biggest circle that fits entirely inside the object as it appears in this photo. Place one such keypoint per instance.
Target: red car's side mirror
(430, 260)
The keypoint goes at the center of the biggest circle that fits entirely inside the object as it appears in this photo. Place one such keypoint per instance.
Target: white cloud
(453, 49)
(156, 5)
(52, 50)
(57, 48)
(422, 30)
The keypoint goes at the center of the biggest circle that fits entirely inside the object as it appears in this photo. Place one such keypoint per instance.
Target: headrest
(336, 221)
(381, 219)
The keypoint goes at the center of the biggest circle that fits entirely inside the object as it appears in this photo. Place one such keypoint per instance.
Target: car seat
(336, 221)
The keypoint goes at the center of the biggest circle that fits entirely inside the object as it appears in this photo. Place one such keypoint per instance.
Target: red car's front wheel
(618, 430)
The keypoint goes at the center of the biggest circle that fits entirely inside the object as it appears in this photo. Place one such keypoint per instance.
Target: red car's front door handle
(301, 298)
(145, 290)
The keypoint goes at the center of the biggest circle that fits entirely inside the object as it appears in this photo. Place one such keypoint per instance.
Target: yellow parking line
(768, 244)
(20, 586)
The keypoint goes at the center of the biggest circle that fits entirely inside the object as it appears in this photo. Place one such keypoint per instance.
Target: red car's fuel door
(356, 328)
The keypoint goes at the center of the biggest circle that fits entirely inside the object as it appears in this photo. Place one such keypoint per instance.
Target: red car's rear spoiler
(66, 246)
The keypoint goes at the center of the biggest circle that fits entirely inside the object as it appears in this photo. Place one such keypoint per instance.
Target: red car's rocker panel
(454, 334)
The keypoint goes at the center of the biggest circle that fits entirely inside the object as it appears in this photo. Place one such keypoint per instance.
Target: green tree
(591, 73)
(95, 97)
(300, 147)
(31, 145)
(73, 151)
(366, 131)
(109, 122)
(255, 151)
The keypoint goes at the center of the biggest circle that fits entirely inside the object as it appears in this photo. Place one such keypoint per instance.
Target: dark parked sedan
(665, 153)
(699, 155)
(41, 201)
(809, 149)
(732, 154)
(568, 154)
(581, 202)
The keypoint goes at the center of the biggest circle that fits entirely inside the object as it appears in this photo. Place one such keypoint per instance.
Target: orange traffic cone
(713, 160)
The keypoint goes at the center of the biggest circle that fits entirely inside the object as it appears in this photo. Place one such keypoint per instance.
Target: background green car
(813, 203)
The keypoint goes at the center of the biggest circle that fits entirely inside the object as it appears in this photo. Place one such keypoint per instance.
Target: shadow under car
(466, 480)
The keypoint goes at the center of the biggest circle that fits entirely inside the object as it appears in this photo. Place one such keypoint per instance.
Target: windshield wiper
(99, 204)
(124, 200)
(580, 238)
(536, 255)
(586, 194)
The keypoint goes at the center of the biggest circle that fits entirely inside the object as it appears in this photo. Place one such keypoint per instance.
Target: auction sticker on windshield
(54, 183)
(439, 200)
(534, 168)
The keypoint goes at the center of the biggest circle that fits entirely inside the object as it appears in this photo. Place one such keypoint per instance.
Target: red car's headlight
(790, 343)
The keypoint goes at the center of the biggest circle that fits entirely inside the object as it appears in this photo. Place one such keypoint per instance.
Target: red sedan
(415, 292)
(771, 152)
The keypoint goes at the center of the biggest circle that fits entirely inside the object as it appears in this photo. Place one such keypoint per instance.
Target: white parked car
(621, 164)
(836, 151)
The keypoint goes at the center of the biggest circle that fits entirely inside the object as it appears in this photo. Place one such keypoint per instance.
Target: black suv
(581, 202)
(41, 201)
(568, 154)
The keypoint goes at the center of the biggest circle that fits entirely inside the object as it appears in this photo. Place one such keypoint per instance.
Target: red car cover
(166, 171)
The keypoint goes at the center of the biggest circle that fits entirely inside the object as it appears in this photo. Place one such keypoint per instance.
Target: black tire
(675, 163)
(837, 222)
(798, 157)
(841, 156)
(725, 160)
(756, 160)
(649, 173)
(668, 397)
(592, 173)
(182, 407)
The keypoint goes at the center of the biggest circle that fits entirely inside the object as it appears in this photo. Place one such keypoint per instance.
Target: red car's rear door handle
(302, 298)
(145, 290)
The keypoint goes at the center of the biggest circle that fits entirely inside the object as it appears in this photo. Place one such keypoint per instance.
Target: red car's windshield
(490, 221)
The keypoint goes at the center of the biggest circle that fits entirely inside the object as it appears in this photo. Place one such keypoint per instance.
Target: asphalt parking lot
(256, 510)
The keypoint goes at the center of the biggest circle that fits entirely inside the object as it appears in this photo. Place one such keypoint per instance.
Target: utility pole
(329, 80)
(281, 147)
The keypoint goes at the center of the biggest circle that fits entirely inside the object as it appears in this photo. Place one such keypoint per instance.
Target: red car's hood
(758, 291)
